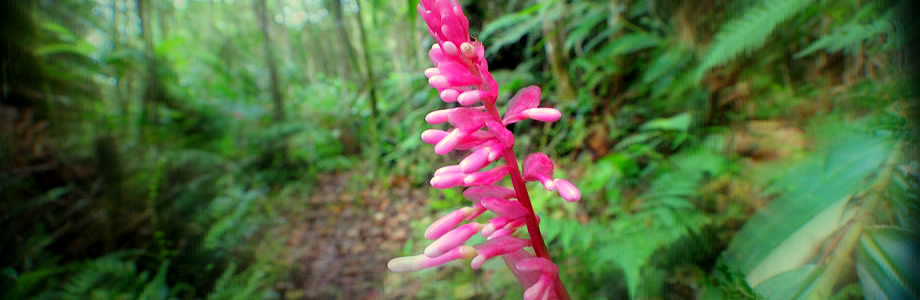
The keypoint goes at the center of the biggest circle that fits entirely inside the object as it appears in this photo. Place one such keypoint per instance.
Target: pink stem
(533, 229)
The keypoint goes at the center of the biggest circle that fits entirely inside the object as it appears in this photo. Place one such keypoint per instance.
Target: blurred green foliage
(724, 149)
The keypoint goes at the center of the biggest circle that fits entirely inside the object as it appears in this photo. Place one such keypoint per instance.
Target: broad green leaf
(887, 264)
(793, 284)
(680, 122)
(781, 236)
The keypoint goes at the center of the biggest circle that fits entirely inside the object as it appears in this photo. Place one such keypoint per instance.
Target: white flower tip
(439, 82)
(450, 48)
(404, 264)
(478, 261)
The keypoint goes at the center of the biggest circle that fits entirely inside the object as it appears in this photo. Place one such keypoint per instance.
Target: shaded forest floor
(342, 244)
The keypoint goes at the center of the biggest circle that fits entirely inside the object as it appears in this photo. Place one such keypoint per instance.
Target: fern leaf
(848, 37)
(749, 32)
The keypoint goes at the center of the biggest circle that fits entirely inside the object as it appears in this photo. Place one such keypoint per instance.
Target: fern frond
(848, 37)
(749, 32)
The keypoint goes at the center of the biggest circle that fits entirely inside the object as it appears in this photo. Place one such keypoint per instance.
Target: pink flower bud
(457, 74)
(468, 50)
(526, 98)
(419, 262)
(438, 116)
(449, 142)
(439, 82)
(444, 224)
(526, 278)
(452, 239)
(446, 181)
(449, 95)
(449, 48)
(538, 264)
(468, 119)
(501, 133)
(495, 224)
(499, 233)
(538, 167)
(448, 170)
(477, 210)
(433, 136)
(431, 72)
(486, 177)
(505, 208)
(475, 161)
(496, 247)
(436, 55)
(544, 114)
(477, 193)
(468, 98)
(540, 290)
(567, 190)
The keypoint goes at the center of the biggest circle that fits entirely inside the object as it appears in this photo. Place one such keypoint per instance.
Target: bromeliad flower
(461, 75)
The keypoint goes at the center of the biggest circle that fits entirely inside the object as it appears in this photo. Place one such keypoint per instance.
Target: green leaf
(680, 122)
(785, 234)
(793, 284)
(887, 265)
(848, 37)
(749, 32)
(627, 44)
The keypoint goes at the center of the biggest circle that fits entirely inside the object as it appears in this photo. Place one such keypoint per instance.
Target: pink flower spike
(433, 136)
(419, 262)
(545, 114)
(475, 161)
(477, 193)
(475, 139)
(567, 190)
(444, 224)
(452, 239)
(526, 98)
(540, 290)
(468, 98)
(438, 116)
(495, 247)
(537, 166)
(486, 177)
(446, 181)
(501, 133)
(495, 152)
(504, 208)
(449, 142)
(431, 72)
(449, 95)
(539, 264)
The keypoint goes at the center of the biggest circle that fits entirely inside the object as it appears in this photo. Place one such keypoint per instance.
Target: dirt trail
(343, 243)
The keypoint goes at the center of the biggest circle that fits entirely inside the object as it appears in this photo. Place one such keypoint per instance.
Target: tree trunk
(368, 65)
(277, 98)
(553, 30)
(336, 7)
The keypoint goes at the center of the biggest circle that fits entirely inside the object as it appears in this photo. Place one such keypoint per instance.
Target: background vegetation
(269, 148)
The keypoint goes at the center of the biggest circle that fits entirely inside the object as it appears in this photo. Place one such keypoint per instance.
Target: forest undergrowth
(270, 148)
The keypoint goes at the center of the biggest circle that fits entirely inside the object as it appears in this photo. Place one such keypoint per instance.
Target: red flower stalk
(461, 75)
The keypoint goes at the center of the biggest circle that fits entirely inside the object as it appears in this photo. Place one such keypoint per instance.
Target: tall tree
(277, 98)
(553, 30)
(368, 64)
(339, 18)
